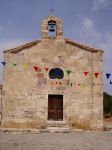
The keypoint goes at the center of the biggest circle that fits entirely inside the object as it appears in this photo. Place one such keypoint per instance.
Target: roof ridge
(21, 47)
(82, 45)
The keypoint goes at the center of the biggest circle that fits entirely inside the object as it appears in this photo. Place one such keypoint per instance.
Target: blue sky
(85, 21)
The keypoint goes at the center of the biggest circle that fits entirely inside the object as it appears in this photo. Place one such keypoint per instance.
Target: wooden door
(55, 107)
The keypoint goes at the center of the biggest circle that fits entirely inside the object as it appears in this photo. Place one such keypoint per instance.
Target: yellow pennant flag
(25, 66)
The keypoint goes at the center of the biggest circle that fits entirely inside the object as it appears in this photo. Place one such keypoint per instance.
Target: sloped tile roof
(21, 47)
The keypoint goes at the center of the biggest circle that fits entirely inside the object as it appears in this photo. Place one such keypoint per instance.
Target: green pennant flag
(80, 72)
(14, 65)
(68, 72)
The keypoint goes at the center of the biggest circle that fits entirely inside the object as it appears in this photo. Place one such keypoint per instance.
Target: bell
(51, 26)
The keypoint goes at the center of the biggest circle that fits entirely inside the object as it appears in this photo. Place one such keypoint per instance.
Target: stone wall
(25, 99)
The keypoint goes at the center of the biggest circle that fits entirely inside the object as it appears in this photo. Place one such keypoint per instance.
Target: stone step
(56, 124)
(59, 129)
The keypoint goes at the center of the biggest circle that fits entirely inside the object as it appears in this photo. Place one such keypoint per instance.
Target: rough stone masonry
(73, 96)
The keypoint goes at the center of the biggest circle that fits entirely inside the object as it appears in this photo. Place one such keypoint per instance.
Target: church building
(52, 82)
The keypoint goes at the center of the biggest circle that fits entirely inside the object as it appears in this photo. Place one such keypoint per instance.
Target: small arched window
(56, 73)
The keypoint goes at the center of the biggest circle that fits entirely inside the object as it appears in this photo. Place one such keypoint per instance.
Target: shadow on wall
(0, 101)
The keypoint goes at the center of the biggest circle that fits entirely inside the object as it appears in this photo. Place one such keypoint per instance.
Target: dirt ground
(85, 140)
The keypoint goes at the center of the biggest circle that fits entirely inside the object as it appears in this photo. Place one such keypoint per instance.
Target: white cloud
(97, 4)
(88, 32)
(87, 24)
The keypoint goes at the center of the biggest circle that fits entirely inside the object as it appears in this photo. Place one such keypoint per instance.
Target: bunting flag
(46, 69)
(78, 84)
(3, 63)
(25, 66)
(35, 68)
(96, 74)
(68, 72)
(14, 65)
(80, 72)
(91, 73)
(110, 82)
(108, 75)
(86, 73)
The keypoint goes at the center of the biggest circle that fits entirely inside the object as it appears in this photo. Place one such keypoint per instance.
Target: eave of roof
(30, 44)
(88, 48)
(21, 47)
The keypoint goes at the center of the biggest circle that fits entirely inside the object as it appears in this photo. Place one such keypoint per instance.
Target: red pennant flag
(35, 68)
(86, 73)
(78, 84)
(46, 69)
(96, 74)
(60, 83)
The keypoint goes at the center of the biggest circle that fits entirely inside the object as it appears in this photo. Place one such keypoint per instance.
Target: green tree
(107, 103)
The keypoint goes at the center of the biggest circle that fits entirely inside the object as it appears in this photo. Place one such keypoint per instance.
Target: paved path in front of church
(85, 140)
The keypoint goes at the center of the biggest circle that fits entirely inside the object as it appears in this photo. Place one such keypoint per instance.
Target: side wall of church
(0, 102)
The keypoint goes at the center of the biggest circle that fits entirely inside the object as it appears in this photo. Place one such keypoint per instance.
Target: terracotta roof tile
(82, 45)
(20, 48)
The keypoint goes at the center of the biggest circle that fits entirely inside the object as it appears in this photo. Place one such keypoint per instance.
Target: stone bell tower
(51, 24)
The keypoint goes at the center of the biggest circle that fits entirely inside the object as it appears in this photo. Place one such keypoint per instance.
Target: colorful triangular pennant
(78, 84)
(68, 72)
(25, 66)
(80, 72)
(86, 73)
(46, 69)
(108, 75)
(96, 74)
(110, 82)
(3, 63)
(35, 68)
(14, 65)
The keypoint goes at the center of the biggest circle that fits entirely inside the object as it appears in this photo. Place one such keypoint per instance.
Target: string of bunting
(68, 71)
(73, 84)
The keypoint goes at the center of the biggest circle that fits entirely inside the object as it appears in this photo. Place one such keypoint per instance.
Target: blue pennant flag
(110, 82)
(3, 62)
(108, 75)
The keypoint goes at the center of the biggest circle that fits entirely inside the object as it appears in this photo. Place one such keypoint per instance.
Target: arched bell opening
(52, 28)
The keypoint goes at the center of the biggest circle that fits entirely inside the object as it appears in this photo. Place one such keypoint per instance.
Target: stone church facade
(51, 82)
